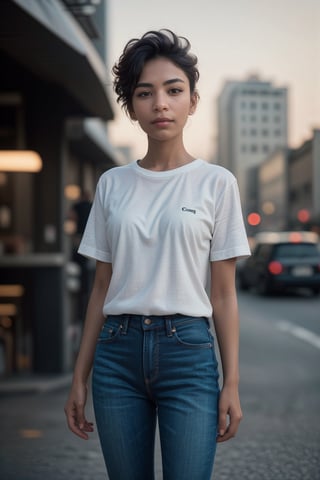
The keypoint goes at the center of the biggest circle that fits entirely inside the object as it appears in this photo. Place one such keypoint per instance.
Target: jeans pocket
(109, 332)
(193, 334)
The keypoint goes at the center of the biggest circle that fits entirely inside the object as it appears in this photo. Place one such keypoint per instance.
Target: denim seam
(191, 345)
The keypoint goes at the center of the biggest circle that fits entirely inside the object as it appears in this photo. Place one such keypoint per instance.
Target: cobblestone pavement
(279, 438)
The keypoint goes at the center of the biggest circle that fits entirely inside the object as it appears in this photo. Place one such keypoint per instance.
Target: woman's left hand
(230, 413)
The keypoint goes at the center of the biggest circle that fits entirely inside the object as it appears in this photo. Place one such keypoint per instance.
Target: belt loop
(169, 327)
(124, 324)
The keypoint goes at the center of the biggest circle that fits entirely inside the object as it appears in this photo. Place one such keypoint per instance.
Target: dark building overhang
(87, 138)
(82, 10)
(45, 38)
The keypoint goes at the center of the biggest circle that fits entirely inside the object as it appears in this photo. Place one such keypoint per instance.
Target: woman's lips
(162, 121)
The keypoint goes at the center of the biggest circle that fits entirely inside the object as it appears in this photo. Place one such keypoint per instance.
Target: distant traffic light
(253, 219)
(303, 215)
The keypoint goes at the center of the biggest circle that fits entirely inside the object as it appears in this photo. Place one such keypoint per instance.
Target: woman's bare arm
(226, 322)
(75, 406)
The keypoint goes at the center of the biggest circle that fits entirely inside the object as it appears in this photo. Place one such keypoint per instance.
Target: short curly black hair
(153, 44)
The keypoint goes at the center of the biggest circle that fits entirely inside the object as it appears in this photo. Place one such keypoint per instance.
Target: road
(279, 438)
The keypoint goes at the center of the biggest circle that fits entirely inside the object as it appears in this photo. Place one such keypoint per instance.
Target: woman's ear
(193, 102)
(132, 115)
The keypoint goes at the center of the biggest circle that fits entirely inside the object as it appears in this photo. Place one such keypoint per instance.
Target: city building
(304, 184)
(54, 109)
(252, 122)
(286, 188)
(273, 191)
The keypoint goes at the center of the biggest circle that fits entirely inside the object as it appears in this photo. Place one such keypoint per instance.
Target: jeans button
(147, 321)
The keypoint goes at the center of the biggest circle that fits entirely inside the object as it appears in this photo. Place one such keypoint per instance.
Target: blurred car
(280, 261)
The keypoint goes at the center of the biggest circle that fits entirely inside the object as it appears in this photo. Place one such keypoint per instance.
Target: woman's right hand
(75, 405)
(75, 411)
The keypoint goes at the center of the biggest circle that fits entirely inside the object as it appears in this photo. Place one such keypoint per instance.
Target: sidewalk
(34, 383)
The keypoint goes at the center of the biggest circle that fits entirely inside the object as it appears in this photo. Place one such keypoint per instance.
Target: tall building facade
(252, 122)
(54, 103)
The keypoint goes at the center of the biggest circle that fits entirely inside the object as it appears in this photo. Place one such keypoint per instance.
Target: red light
(275, 268)
(254, 219)
(295, 237)
(303, 215)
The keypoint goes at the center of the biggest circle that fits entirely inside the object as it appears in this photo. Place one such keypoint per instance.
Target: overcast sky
(277, 39)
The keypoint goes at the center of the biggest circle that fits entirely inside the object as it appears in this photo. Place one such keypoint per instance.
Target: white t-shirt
(160, 230)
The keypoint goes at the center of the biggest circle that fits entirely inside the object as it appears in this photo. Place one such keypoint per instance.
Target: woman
(159, 229)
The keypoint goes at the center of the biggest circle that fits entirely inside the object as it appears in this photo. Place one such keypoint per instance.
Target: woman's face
(162, 100)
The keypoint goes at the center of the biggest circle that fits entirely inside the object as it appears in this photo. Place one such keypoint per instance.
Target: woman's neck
(162, 156)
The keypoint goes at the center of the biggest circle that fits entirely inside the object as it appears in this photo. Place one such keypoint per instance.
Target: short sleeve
(229, 238)
(94, 242)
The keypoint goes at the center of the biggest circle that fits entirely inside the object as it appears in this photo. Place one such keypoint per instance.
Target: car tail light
(275, 267)
(295, 237)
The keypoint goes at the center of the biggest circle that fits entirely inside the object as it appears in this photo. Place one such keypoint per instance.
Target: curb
(33, 384)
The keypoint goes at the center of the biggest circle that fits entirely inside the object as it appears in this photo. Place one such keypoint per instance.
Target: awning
(89, 138)
(44, 37)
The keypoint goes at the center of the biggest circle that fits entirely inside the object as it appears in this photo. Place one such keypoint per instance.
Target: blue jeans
(149, 367)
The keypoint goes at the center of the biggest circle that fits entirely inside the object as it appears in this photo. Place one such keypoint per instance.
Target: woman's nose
(160, 103)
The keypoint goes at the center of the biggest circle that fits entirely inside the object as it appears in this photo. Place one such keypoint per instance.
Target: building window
(307, 189)
(244, 132)
(11, 121)
(265, 148)
(253, 131)
(253, 118)
(277, 132)
(265, 105)
(16, 201)
(254, 148)
(293, 196)
(277, 119)
(265, 118)
(265, 132)
(243, 105)
(277, 106)
(243, 148)
(243, 118)
(253, 105)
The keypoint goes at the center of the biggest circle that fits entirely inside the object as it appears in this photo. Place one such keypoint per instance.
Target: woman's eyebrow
(167, 82)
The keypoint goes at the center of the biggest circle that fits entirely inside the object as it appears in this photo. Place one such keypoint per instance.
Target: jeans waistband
(152, 322)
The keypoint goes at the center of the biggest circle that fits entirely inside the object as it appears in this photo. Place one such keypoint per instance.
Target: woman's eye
(175, 91)
(143, 94)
